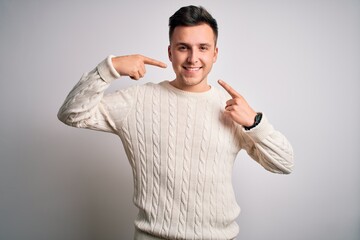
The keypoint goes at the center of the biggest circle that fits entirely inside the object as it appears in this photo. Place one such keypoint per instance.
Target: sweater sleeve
(268, 147)
(86, 106)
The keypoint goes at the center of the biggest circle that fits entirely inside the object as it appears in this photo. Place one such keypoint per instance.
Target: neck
(202, 86)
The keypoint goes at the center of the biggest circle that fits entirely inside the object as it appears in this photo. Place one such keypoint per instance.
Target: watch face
(258, 118)
(256, 121)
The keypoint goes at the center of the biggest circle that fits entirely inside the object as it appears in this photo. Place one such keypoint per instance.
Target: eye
(182, 48)
(204, 48)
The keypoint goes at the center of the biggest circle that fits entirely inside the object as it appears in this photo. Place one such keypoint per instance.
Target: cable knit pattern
(156, 154)
(181, 149)
(201, 173)
(130, 155)
(141, 143)
(186, 167)
(170, 173)
(213, 189)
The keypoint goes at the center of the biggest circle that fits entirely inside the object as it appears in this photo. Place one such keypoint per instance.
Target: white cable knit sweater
(181, 149)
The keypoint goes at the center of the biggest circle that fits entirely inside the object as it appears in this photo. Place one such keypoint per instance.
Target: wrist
(106, 71)
(257, 119)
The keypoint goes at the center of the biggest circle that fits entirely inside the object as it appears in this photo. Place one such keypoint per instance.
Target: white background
(296, 60)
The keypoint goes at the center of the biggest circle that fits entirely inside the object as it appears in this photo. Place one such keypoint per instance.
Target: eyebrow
(188, 45)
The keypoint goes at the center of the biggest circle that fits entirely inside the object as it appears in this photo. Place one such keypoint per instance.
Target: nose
(193, 57)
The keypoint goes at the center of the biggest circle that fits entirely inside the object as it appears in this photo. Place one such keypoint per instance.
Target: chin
(191, 81)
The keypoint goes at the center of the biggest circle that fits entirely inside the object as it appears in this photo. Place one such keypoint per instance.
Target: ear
(169, 53)
(215, 54)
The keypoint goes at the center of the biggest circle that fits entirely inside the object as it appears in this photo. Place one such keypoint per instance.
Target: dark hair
(192, 16)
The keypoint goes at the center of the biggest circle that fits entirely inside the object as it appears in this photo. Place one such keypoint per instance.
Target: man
(181, 137)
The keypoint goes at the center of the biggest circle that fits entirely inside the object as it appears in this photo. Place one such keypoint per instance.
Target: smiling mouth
(192, 69)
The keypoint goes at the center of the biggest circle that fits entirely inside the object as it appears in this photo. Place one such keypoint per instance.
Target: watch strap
(257, 120)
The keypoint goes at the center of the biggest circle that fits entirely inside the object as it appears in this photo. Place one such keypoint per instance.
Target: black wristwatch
(256, 121)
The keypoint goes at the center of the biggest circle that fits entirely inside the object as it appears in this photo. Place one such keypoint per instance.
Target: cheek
(175, 65)
(210, 60)
(176, 59)
(212, 57)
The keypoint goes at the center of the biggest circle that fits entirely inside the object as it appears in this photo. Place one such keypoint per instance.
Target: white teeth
(192, 68)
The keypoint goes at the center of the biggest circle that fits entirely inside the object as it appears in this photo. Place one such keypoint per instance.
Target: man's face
(192, 52)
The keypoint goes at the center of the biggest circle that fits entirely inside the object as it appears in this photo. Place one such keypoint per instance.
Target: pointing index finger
(229, 89)
(154, 62)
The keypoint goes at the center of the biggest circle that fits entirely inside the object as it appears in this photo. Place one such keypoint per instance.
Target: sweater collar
(186, 93)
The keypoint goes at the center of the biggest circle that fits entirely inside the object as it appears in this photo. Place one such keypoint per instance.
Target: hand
(134, 65)
(237, 108)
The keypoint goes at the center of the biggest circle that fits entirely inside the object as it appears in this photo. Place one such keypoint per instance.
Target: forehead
(198, 34)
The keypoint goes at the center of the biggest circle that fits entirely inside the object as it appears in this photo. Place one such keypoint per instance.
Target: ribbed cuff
(261, 131)
(107, 71)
